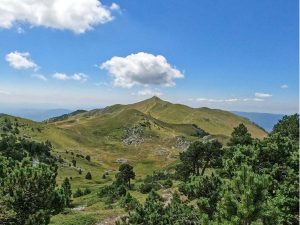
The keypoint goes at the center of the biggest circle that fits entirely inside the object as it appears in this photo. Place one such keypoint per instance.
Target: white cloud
(102, 84)
(253, 99)
(39, 76)
(208, 100)
(60, 76)
(3, 92)
(258, 99)
(76, 15)
(77, 76)
(284, 86)
(114, 6)
(262, 95)
(216, 100)
(20, 60)
(141, 68)
(20, 30)
(232, 100)
(149, 92)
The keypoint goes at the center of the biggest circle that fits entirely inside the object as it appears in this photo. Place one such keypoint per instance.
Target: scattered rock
(109, 171)
(181, 143)
(110, 220)
(183, 198)
(122, 161)
(79, 208)
(167, 196)
(133, 135)
(162, 151)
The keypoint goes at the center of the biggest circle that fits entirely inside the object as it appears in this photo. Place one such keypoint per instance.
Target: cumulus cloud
(60, 76)
(284, 86)
(149, 92)
(77, 76)
(141, 69)
(39, 77)
(114, 6)
(262, 95)
(20, 60)
(76, 15)
(216, 100)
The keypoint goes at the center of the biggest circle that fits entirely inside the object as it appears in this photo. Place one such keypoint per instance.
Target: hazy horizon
(10, 109)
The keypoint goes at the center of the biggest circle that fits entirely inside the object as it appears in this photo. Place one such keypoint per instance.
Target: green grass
(214, 121)
(99, 133)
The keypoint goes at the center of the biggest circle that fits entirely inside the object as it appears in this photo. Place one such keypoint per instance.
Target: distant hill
(265, 120)
(36, 114)
(213, 121)
(64, 116)
(216, 122)
(150, 124)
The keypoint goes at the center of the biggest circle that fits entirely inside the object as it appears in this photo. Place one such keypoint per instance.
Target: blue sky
(233, 55)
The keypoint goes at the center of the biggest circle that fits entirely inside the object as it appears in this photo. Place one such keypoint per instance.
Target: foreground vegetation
(256, 183)
(248, 181)
(28, 190)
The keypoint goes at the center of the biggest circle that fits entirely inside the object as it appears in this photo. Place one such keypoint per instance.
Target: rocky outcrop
(181, 143)
(133, 135)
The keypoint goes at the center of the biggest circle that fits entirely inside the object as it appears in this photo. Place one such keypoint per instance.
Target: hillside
(110, 137)
(152, 130)
(213, 121)
(64, 116)
(149, 135)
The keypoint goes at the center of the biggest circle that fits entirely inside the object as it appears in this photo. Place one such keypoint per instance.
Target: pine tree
(199, 155)
(288, 126)
(66, 186)
(244, 200)
(125, 174)
(30, 190)
(240, 136)
(88, 176)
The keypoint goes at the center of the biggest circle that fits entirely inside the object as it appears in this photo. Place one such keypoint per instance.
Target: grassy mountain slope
(214, 121)
(149, 135)
(65, 116)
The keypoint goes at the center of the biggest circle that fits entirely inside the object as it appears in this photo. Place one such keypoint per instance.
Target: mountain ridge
(213, 121)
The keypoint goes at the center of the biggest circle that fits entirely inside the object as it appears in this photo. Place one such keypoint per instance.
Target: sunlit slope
(113, 125)
(38, 131)
(213, 121)
(112, 134)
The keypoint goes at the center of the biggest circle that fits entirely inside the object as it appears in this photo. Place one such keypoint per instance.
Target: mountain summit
(214, 121)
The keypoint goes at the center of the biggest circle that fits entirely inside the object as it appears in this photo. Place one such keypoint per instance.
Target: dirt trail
(110, 220)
